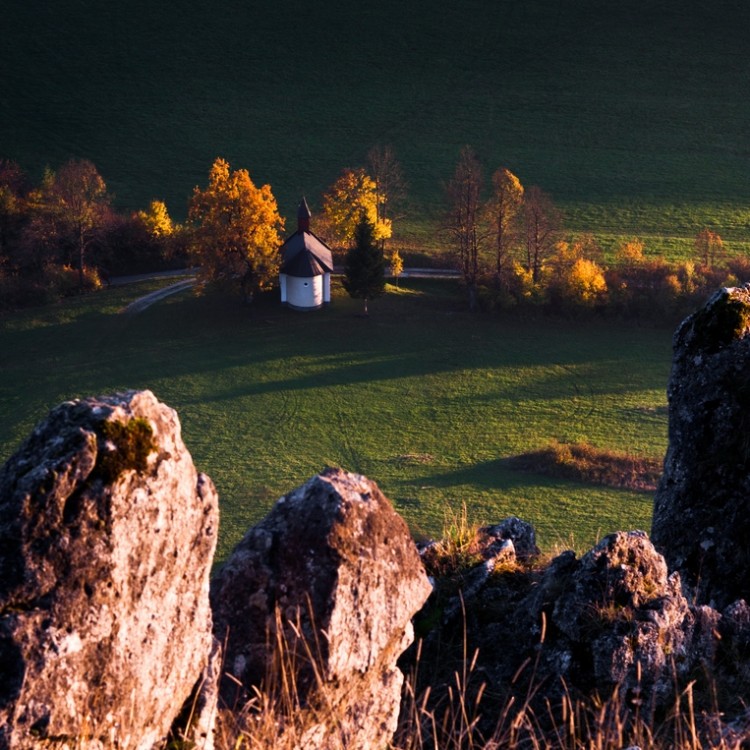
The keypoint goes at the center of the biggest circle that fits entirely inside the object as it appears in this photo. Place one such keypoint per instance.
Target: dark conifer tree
(364, 271)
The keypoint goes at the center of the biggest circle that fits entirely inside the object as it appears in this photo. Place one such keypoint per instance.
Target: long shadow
(222, 346)
(505, 474)
(496, 474)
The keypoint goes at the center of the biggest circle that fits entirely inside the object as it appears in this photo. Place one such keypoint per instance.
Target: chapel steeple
(303, 216)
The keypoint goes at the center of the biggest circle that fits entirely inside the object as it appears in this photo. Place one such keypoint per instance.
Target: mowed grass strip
(421, 396)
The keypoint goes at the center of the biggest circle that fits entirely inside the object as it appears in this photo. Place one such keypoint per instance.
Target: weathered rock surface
(491, 539)
(618, 619)
(107, 535)
(335, 564)
(615, 618)
(702, 506)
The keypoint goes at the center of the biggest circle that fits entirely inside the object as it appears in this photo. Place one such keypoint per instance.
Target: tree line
(511, 247)
(63, 236)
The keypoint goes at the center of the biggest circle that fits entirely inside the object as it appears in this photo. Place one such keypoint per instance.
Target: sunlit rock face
(332, 576)
(702, 507)
(107, 535)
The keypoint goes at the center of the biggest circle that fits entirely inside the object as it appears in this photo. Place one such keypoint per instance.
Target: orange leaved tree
(236, 230)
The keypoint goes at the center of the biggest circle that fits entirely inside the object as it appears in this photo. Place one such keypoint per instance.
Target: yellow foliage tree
(584, 283)
(573, 277)
(353, 195)
(235, 230)
(157, 220)
(503, 209)
(708, 247)
(630, 253)
(396, 263)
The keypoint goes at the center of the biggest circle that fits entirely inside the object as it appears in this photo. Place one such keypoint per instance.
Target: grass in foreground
(276, 718)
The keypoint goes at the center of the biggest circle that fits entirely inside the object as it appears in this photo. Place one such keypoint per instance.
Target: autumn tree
(156, 221)
(364, 269)
(463, 218)
(575, 277)
(397, 264)
(71, 212)
(353, 194)
(542, 222)
(390, 185)
(503, 210)
(708, 247)
(630, 252)
(235, 230)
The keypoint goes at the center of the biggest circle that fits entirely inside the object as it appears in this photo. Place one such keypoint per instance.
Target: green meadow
(423, 397)
(632, 115)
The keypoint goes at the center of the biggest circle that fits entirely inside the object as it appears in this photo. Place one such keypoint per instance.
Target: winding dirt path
(142, 303)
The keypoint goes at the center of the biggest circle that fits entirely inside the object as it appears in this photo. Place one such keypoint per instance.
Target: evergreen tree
(364, 271)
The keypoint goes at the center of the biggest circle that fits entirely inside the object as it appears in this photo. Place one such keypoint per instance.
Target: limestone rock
(491, 538)
(615, 618)
(332, 570)
(107, 535)
(622, 620)
(701, 522)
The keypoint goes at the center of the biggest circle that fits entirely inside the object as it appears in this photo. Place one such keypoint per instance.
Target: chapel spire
(303, 216)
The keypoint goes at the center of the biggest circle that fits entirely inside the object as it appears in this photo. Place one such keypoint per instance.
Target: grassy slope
(633, 115)
(423, 397)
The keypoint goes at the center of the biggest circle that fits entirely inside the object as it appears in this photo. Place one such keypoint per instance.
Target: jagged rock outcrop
(107, 535)
(615, 618)
(333, 574)
(491, 539)
(702, 507)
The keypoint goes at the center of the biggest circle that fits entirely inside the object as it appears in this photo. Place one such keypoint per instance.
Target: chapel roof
(303, 254)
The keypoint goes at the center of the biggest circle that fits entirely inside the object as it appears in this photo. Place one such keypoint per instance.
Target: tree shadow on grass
(497, 474)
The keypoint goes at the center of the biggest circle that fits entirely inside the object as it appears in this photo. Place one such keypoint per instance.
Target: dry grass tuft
(456, 551)
(582, 462)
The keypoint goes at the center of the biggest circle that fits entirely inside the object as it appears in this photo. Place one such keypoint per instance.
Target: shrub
(64, 281)
(583, 462)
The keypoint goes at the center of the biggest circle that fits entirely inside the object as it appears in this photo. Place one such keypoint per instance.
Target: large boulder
(107, 535)
(702, 507)
(331, 578)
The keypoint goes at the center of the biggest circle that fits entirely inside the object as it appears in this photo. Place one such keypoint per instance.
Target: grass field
(423, 397)
(633, 115)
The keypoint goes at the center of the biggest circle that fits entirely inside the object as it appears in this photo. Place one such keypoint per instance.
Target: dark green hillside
(633, 115)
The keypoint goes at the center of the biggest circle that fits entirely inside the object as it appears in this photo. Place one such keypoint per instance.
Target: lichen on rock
(107, 535)
(124, 446)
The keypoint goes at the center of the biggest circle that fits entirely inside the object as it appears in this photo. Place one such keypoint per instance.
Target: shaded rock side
(333, 575)
(702, 507)
(107, 535)
(615, 619)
